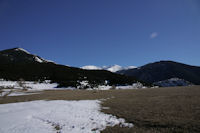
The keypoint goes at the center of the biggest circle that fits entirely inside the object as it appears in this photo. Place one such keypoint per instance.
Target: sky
(103, 32)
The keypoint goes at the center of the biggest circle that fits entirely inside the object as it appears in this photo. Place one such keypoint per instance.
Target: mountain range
(18, 63)
(156, 72)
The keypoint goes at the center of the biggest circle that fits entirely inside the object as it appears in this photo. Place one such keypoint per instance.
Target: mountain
(17, 63)
(113, 68)
(164, 70)
(17, 55)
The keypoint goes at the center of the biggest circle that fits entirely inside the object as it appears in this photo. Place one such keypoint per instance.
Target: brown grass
(157, 110)
(175, 109)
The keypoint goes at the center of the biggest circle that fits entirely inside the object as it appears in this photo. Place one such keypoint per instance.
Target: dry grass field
(151, 110)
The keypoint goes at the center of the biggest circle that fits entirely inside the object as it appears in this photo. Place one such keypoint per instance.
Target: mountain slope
(17, 55)
(17, 63)
(164, 70)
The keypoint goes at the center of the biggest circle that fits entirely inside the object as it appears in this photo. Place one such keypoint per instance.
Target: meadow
(151, 110)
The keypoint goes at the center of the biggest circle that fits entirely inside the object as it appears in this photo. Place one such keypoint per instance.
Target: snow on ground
(101, 87)
(173, 82)
(4, 83)
(85, 84)
(16, 88)
(57, 116)
(16, 93)
(30, 85)
(133, 86)
(40, 86)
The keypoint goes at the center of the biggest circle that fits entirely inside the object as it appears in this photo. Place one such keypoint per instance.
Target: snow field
(56, 116)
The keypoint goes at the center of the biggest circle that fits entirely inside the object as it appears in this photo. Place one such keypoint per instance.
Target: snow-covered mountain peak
(21, 49)
(21, 55)
(112, 68)
(91, 67)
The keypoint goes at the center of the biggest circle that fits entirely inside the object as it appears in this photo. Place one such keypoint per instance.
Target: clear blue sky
(103, 32)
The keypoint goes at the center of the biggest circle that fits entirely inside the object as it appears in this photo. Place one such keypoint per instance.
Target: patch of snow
(101, 87)
(21, 49)
(29, 85)
(83, 84)
(133, 86)
(21, 93)
(86, 85)
(7, 84)
(130, 67)
(38, 59)
(49, 61)
(45, 60)
(40, 86)
(173, 82)
(56, 116)
(41, 60)
(137, 85)
(16, 89)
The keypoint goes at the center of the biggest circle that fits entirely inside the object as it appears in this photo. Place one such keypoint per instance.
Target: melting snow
(28, 85)
(13, 88)
(133, 86)
(56, 116)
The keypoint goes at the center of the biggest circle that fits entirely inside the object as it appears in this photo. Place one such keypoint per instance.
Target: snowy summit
(22, 55)
(113, 68)
(91, 67)
(21, 49)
